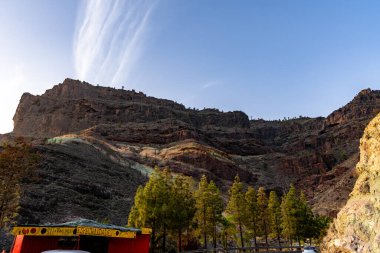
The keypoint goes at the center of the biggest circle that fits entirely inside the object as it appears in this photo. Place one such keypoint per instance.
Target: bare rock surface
(133, 133)
(357, 227)
(73, 106)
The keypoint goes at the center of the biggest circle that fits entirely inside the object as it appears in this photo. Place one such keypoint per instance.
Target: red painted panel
(138, 245)
(36, 244)
(142, 244)
(17, 244)
(120, 245)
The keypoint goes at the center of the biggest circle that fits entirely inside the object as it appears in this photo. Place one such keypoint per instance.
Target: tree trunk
(214, 237)
(241, 235)
(179, 240)
(187, 238)
(279, 241)
(254, 237)
(164, 239)
(153, 237)
(204, 227)
(224, 242)
(266, 234)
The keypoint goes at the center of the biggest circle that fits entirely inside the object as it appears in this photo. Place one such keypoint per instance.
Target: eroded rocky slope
(134, 133)
(75, 180)
(357, 227)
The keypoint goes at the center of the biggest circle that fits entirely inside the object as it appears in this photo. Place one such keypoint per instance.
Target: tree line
(182, 216)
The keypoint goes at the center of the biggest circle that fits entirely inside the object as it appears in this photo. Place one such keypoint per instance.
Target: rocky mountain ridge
(138, 132)
(73, 106)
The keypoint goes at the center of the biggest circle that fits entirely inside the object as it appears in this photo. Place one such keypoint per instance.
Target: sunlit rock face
(357, 227)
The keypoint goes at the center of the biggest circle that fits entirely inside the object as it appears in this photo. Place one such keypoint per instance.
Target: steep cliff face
(74, 105)
(357, 227)
(316, 154)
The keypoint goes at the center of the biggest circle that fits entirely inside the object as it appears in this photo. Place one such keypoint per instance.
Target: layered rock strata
(316, 154)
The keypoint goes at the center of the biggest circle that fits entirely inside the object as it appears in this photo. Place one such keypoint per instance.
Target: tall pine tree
(305, 219)
(209, 208)
(215, 209)
(201, 198)
(237, 206)
(289, 207)
(164, 204)
(252, 213)
(182, 205)
(274, 211)
(262, 203)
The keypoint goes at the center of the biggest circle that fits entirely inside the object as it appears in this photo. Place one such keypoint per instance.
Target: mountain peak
(366, 104)
(74, 105)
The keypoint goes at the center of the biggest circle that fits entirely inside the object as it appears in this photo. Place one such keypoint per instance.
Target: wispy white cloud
(109, 38)
(210, 84)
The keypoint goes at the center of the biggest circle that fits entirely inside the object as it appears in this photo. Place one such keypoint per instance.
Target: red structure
(81, 235)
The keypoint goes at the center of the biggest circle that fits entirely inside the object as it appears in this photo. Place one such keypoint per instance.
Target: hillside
(73, 180)
(129, 133)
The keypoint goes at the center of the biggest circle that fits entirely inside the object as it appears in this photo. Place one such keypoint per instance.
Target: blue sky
(268, 58)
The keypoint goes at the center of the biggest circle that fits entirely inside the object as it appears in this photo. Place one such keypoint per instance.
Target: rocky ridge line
(73, 106)
(317, 154)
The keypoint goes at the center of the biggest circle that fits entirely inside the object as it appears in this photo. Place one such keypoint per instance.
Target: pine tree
(289, 207)
(321, 225)
(305, 219)
(182, 206)
(152, 206)
(237, 206)
(201, 208)
(165, 204)
(274, 211)
(209, 205)
(136, 216)
(262, 204)
(252, 212)
(215, 209)
(228, 231)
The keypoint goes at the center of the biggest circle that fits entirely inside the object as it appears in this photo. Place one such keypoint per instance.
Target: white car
(309, 249)
(64, 251)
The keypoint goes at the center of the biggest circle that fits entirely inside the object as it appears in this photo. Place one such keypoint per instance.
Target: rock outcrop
(134, 132)
(73, 106)
(357, 227)
(366, 103)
